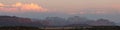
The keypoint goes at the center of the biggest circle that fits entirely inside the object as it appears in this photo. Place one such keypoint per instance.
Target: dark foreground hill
(60, 28)
(18, 28)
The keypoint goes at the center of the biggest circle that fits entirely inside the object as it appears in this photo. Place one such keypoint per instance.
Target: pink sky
(60, 7)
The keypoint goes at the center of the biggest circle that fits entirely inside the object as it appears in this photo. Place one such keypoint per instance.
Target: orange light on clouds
(18, 4)
(1, 5)
(21, 7)
(31, 7)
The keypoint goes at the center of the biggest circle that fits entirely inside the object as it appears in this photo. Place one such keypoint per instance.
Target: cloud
(1, 5)
(21, 7)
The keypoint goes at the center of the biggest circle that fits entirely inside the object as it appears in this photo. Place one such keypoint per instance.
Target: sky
(93, 9)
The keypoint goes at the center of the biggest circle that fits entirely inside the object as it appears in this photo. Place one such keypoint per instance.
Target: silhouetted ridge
(17, 21)
(8, 17)
(14, 19)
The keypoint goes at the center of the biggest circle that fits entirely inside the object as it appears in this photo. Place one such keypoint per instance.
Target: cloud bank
(22, 7)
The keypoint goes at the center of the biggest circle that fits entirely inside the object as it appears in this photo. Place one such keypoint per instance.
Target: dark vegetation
(63, 28)
(18, 28)
(99, 28)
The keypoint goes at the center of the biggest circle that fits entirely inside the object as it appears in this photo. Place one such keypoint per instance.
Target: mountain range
(53, 21)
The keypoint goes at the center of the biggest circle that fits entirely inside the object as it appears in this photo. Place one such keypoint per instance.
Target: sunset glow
(62, 8)
(1, 5)
(20, 7)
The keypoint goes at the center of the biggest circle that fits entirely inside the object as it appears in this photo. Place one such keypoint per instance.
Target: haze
(93, 9)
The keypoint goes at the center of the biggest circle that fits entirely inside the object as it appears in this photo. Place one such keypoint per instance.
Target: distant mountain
(118, 23)
(17, 21)
(78, 21)
(76, 25)
(53, 21)
(56, 21)
(102, 22)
